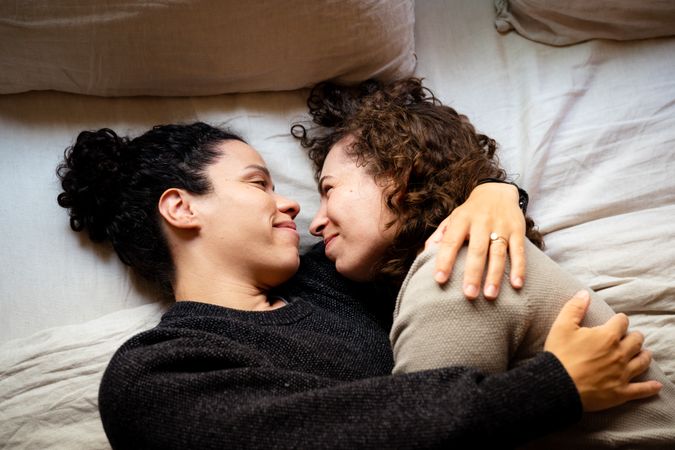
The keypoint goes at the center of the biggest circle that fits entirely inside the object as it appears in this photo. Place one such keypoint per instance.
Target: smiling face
(352, 218)
(247, 227)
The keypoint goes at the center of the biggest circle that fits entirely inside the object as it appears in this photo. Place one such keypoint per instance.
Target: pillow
(200, 47)
(557, 22)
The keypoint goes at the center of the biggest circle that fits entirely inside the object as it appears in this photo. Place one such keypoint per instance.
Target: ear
(175, 205)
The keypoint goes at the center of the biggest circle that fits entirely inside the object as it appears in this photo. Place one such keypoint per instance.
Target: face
(248, 228)
(352, 217)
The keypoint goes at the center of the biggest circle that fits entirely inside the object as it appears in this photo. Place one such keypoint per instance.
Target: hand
(601, 360)
(491, 207)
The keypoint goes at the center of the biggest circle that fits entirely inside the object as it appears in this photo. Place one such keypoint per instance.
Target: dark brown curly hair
(427, 155)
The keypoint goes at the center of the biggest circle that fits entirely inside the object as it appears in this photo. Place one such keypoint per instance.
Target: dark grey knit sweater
(313, 374)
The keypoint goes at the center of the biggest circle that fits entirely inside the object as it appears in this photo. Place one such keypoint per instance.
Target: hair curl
(427, 155)
(112, 184)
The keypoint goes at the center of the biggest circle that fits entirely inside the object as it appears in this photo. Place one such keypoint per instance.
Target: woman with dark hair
(391, 165)
(253, 356)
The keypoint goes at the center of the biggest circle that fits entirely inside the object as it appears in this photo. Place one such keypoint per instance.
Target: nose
(287, 206)
(319, 221)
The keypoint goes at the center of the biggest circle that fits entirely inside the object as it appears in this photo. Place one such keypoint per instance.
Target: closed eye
(325, 189)
(262, 183)
(325, 185)
(259, 176)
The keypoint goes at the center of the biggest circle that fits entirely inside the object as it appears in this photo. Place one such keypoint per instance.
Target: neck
(222, 289)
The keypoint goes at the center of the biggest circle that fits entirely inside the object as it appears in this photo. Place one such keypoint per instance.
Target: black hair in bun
(112, 184)
(91, 175)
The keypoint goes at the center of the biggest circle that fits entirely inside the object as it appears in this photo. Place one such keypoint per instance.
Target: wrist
(523, 197)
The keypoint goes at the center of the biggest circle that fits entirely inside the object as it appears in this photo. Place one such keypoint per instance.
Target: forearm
(161, 404)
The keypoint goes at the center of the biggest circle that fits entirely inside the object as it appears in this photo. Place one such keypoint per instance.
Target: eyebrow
(263, 169)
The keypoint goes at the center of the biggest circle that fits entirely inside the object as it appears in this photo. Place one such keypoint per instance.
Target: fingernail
(437, 239)
(491, 291)
(470, 290)
(440, 277)
(517, 282)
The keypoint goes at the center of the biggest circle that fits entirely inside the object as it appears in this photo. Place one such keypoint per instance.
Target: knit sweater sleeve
(176, 388)
(436, 326)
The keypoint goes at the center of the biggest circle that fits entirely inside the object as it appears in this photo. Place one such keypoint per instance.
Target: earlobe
(175, 206)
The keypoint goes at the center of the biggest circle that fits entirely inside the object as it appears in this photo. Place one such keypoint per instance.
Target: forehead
(236, 155)
(338, 159)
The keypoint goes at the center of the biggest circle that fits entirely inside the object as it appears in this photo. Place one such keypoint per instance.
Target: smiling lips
(328, 240)
(288, 224)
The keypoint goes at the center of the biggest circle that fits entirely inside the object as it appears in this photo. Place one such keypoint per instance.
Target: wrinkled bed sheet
(588, 130)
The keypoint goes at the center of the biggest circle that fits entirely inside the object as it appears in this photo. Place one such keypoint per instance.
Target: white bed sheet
(52, 276)
(49, 398)
(588, 130)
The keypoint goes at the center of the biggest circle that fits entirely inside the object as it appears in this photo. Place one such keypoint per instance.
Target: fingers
(496, 264)
(631, 345)
(451, 241)
(475, 264)
(617, 325)
(638, 364)
(445, 260)
(573, 312)
(437, 235)
(643, 389)
(491, 208)
(518, 261)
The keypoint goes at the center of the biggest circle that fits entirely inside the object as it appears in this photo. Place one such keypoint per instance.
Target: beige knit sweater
(436, 327)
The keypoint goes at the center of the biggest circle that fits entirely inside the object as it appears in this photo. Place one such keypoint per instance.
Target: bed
(587, 128)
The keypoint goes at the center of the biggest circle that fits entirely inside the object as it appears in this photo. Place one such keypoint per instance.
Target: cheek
(370, 238)
(337, 209)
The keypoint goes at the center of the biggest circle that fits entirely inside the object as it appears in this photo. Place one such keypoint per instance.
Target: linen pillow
(568, 22)
(200, 47)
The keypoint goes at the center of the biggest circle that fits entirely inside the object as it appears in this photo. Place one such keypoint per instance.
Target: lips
(287, 224)
(328, 240)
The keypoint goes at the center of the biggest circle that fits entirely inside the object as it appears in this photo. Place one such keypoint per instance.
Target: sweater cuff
(539, 398)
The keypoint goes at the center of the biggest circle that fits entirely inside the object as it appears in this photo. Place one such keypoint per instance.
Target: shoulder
(544, 277)
(188, 332)
(419, 288)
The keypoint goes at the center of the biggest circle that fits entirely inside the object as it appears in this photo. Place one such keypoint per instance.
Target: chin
(283, 271)
(353, 273)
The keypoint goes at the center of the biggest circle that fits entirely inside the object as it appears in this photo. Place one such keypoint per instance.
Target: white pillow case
(568, 22)
(200, 47)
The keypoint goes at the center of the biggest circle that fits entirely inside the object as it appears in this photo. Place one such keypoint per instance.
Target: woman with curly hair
(390, 162)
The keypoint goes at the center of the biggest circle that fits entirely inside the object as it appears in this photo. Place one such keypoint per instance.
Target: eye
(261, 182)
(325, 189)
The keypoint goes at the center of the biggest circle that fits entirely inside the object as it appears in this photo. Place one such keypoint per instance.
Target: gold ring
(495, 237)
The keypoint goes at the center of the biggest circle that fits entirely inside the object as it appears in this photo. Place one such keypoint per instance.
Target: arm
(159, 392)
(491, 207)
(433, 327)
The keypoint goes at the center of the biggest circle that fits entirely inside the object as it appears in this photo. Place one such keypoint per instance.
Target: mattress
(588, 130)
